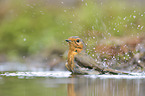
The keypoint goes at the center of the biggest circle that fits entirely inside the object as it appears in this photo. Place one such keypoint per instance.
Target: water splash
(58, 74)
(136, 76)
(67, 74)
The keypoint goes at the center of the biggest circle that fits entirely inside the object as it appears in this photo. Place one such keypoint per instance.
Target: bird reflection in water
(105, 87)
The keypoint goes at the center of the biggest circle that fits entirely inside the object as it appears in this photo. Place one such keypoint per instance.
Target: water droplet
(130, 23)
(125, 25)
(134, 17)
(109, 34)
(101, 3)
(113, 57)
(24, 57)
(34, 4)
(141, 28)
(27, 4)
(93, 27)
(139, 61)
(124, 18)
(105, 59)
(24, 39)
(42, 13)
(118, 58)
(31, 6)
(96, 60)
(96, 42)
(119, 17)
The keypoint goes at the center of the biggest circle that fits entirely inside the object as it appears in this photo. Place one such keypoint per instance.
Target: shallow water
(62, 83)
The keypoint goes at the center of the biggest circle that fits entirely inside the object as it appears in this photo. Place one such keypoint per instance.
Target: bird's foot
(68, 67)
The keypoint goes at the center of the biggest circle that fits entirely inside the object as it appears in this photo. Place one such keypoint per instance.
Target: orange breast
(70, 58)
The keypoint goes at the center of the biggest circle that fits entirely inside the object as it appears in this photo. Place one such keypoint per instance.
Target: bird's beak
(67, 40)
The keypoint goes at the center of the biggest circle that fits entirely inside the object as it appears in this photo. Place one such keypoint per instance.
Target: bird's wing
(84, 60)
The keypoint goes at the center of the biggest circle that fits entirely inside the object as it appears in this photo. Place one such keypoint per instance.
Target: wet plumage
(78, 61)
(78, 58)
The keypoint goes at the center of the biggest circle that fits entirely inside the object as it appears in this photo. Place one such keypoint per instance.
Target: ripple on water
(66, 74)
(133, 76)
(57, 74)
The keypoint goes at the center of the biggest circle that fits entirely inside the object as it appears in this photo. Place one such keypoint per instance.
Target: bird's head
(76, 44)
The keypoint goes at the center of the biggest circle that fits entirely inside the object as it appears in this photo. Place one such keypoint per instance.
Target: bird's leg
(67, 66)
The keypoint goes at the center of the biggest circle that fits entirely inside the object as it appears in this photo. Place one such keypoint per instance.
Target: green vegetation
(29, 27)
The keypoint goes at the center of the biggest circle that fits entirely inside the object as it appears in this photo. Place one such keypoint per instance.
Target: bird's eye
(78, 40)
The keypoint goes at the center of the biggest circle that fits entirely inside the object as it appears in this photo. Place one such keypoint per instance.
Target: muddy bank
(127, 53)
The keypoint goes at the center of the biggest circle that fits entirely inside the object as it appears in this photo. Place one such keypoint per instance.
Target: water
(62, 83)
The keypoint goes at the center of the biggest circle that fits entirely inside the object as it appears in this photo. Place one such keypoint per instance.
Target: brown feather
(84, 60)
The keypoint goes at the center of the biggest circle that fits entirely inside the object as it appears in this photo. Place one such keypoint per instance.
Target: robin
(78, 61)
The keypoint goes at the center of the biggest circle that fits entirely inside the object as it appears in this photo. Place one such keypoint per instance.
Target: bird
(79, 62)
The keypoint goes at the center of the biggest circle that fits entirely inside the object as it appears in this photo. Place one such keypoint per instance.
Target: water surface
(62, 83)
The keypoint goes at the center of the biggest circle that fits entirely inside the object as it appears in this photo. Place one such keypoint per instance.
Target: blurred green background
(32, 38)
(37, 27)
